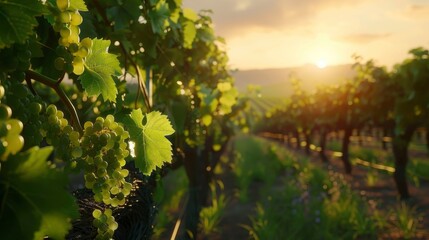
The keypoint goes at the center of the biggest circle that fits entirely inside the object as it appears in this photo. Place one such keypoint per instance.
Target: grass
(256, 160)
(406, 219)
(211, 216)
(312, 203)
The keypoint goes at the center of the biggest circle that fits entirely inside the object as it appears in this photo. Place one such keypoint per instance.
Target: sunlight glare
(321, 63)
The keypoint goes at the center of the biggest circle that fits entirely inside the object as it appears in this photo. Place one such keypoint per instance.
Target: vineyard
(120, 120)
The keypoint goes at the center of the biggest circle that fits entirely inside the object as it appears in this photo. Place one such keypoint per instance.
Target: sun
(321, 63)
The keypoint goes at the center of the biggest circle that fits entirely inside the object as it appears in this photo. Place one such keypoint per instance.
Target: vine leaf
(100, 65)
(152, 148)
(189, 33)
(157, 16)
(17, 19)
(78, 5)
(34, 198)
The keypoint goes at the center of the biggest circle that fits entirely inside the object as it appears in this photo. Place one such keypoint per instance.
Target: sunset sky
(288, 33)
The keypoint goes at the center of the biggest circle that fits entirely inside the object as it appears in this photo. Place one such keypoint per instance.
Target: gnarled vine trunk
(400, 152)
(345, 149)
(322, 153)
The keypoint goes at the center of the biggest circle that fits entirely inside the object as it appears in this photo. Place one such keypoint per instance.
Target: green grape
(124, 172)
(63, 5)
(83, 52)
(86, 42)
(87, 125)
(14, 143)
(5, 111)
(74, 136)
(96, 213)
(73, 48)
(58, 26)
(75, 30)
(65, 32)
(15, 126)
(78, 67)
(59, 63)
(73, 38)
(51, 110)
(65, 17)
(77, 152)
(76, 19)
(1, 91)
(59, 114)
(64, 41)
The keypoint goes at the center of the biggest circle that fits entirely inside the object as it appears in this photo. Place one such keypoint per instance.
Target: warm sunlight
(321, 63)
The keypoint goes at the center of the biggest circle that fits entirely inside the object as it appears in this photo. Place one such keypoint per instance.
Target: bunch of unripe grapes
(27, 108)
(15, 60)
(71, 51)
(11, 142)
(104, 152)
(60, 134)
(105, 223)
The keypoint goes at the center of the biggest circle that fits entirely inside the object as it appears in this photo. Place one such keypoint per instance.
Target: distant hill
(275, 82)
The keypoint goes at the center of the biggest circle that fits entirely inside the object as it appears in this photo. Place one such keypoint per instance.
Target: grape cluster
(105, 223)
(27, 108)
(58, 133)
(11, 141)
(71, 51)
(104, 151)
(15, 60)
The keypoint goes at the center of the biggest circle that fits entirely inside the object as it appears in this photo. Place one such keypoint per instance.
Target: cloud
(362, 38)
(233, 17)
(417, 12)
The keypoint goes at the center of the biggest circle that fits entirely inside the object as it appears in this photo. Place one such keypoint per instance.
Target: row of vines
(393, 102)
(98, 96)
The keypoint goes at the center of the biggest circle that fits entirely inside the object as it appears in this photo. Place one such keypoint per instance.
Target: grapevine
(79, 56)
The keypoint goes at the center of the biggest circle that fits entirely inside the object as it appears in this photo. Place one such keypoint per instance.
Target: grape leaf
(158, 16)
(100, 65)
(190, 14)
(189, 33)
(78, 5)
(123, 14)
(152, 149)
(17, 19)
(33, 198)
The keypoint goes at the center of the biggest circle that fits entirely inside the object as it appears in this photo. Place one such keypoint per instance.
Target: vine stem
(64, 98)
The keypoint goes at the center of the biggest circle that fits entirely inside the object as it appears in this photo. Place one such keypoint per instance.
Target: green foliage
(406, 220)
(33, 197)
(153, 148)
(100, 65)
(17, 20)
(315, 205)
(254, 160)
(211, 215)
(84, 79)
